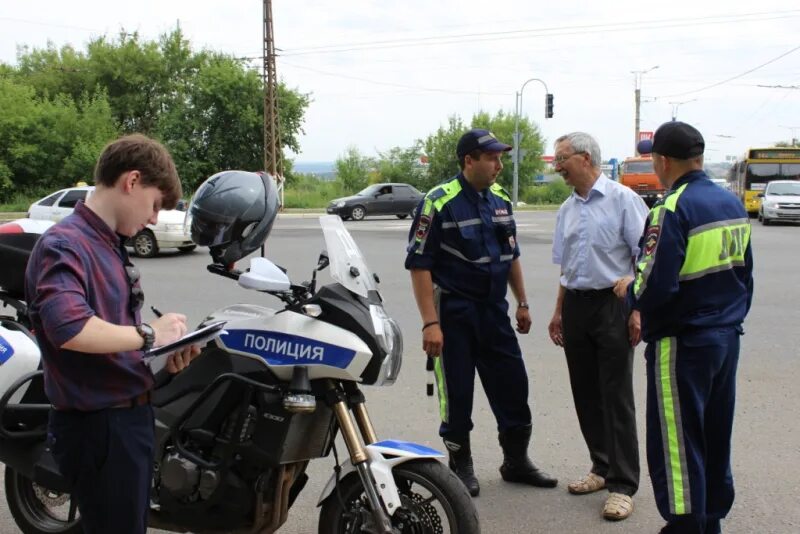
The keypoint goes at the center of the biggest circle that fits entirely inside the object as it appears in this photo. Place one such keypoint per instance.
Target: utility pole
(638, 102)
(273, 161)
(517, 154)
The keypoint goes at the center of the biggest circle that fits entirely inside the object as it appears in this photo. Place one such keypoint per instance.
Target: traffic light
(548, 106)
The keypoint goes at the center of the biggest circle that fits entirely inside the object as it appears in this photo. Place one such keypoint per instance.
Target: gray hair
(583, 142)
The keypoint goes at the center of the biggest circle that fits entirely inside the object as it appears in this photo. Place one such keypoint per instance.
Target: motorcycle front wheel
(38, 510)
(434, 501)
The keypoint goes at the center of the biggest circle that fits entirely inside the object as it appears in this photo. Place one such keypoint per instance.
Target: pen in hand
(156, 312)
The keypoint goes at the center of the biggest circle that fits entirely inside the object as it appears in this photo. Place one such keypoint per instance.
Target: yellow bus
(759, 166)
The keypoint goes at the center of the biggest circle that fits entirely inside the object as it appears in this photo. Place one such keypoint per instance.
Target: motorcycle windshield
(347, 264)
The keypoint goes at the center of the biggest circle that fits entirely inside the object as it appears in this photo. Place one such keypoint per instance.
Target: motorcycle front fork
(343, 401)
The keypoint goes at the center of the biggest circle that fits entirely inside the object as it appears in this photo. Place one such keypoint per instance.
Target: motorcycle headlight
(391, 341)
(340, 204)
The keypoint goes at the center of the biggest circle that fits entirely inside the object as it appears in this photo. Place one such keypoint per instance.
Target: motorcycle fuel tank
(286, 339)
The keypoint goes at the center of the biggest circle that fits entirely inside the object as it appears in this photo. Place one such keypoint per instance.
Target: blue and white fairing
(287, 338)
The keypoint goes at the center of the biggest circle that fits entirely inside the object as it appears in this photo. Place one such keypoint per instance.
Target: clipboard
(200, 335)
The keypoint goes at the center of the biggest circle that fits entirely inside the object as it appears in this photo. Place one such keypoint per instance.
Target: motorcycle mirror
(323, 260)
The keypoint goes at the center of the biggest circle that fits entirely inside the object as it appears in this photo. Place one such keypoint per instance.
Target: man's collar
(97, 224)
(600, 185)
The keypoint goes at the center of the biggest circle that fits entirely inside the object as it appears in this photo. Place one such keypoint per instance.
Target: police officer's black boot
(517, 467)
(461, 461)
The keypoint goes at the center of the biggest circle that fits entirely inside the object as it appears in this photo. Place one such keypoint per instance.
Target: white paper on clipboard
(196, 337)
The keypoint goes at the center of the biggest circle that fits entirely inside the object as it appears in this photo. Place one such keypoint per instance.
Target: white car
(166, 233)
(780, 201)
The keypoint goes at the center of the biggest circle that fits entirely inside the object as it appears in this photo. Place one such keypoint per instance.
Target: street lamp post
(638, 101)
(792, 129)
(676, 105)
(516, 152)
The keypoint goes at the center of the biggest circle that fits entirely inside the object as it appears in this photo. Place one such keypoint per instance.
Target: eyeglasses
(558, 160)
(137, 294)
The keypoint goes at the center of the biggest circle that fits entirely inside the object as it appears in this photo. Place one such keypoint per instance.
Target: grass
(19, 203)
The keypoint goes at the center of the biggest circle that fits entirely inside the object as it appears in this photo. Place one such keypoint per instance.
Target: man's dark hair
(475, 154)
(137, 152)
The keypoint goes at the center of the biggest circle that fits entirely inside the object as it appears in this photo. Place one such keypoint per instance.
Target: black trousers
(600, 361)
(107, 456)
(478, 336)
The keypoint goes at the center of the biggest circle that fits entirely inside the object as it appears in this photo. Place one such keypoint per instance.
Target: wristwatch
(148, 335)
(523, 305)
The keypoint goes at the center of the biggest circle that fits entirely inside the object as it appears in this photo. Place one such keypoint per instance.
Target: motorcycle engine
(185, 480)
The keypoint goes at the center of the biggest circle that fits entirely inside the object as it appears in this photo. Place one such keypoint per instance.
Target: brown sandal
(618, 507)
(588, 484)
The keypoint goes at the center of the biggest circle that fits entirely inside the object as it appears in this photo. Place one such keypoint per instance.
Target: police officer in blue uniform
(462, 255)
(693, 287)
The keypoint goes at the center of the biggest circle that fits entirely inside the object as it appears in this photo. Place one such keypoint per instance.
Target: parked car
(780, 201)
(166, 233)
(377, 199)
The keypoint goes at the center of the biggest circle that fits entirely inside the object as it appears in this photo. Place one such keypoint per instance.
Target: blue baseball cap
(674, 139)
(478, 139)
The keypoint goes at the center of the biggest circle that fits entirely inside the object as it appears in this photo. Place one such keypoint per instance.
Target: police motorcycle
(236, 430)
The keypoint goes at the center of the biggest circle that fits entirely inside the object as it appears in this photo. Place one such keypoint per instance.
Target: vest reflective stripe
(459, 255)
(669, 415)
(715, 247)
(502, 219)
(461, 224)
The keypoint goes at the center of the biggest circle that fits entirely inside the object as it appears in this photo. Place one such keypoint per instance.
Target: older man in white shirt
(596, 241)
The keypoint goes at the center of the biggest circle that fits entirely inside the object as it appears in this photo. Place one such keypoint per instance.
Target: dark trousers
(691, 389)
(478, 336)
(600, 362)
(107, 456)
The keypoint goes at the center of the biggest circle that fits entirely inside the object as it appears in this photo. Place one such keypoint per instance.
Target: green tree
(401, 165)
(440, 147)
(206, 107)
(352, 170)
(531, 146)
(48, 144)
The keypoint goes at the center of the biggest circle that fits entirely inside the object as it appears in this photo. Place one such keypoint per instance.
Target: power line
(540, 32)
(390, 84)
(773, 60)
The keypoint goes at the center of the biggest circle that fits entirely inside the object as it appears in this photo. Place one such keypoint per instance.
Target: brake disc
(50, 498)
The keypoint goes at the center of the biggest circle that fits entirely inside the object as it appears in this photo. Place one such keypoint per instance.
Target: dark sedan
(377, 199)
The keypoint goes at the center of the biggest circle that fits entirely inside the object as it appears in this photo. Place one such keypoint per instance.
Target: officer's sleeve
(633, 219)
(663, 251)
(424, 237)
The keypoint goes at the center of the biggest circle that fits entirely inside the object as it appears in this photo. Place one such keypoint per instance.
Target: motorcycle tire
(439, 485)
(28, 504)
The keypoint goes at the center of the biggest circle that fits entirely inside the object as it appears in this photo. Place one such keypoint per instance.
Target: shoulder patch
(423, 227)
(651, 239)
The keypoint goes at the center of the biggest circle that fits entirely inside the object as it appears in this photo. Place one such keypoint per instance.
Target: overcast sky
(384, 73)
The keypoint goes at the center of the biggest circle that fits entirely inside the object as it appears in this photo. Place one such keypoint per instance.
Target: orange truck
(638, 174)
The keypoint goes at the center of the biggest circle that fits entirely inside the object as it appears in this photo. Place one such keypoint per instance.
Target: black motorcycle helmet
(232, 213)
